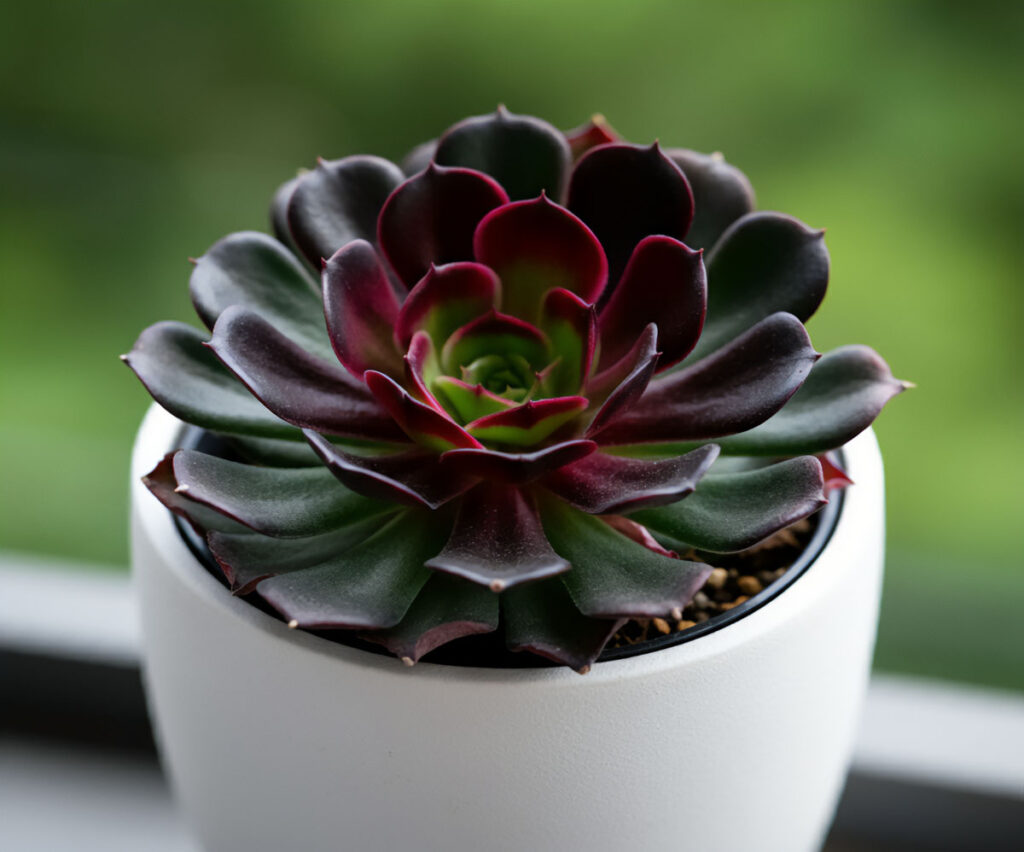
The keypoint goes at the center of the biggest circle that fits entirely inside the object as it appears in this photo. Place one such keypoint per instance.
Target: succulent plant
(518, 390)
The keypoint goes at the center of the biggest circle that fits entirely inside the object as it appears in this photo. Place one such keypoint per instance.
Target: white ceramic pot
(278, 740)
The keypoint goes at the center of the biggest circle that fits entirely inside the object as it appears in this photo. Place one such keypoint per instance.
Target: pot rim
(161, 432)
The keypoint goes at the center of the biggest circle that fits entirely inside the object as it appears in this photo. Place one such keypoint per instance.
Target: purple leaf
(664, 283)
(445, 299)
(570, 324)
(296, 386)
(257, 272)
(542, 619)
(525, 155)
(414, 478)
(361, 310)
(419, 421)
(721, 194)
(734, 511)
(516, 468)
(764, 263)
(628, 192)
(537, 245)
(419, 157)
(279, 214)
(619, 387)
(431, 217)
(162, 483)
(602, 484)
(498, 540)
(368, 587)
(339, 202)
(842, 396)
(447, 608)
(529, 422)
(420, 363)
(172, 361)
(733, 389)
(614, 577)
(279, 502)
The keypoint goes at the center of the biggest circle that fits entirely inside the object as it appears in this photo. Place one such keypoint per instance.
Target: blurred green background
(133, 135)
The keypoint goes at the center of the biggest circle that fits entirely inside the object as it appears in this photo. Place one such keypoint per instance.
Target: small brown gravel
(735, 579)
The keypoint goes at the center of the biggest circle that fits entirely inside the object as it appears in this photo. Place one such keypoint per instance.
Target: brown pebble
(737, 602)
(701, 616)
(749, 585)
(717, 577)
(701, 600)
(685, 625)
(661, 625)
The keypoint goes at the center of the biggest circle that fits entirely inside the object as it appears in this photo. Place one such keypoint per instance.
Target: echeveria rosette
(504, 404)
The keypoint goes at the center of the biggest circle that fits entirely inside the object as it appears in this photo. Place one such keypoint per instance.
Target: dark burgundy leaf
(528, 423)
(516, 468)
(172, 361)
(536, 245)
(296, 386)
(733, 389)
(161, 481)
(431, 217)
(721, 194)
(628, 192)
(570, 324)
(734, 511)
(339, 202)
(593, 133)
(525, 155)
(361, 310)
(419, 421)
(415, 478)
(447, 298)
(498, 540)
(663, 283)
(279, 213)
(602, 484)
(619, 387)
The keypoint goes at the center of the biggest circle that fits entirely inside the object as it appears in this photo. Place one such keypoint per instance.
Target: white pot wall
(276, 739)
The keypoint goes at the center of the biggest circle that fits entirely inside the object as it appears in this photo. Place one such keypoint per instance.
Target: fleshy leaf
(621, 385)
(664, 283)
(413, 478)
(247, 558)
(338, 202)
(447, 608)
(279, 212)
(257, 272)
(602, 484)
(525, 155)
(542, 619)
(431, 217)
(180, 373)
(162, 483)
(528, 423)
(721, 194)
(595, 132)
(419, 421)
(447, 298)
(536, 245)
(494, 334)
(421, 369)
(498, 540)
(279, 502)
(842, 396)
(570, 324)
(516, 468)
(272, 452)
(361, 310)
(733, 389)
(764, 263)
(835, 477)
(734, 511)
(628, 192)
(419, 157)
(370, 586)
(296, 386)
(613, 576)
(469, 402)
(638, 533)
